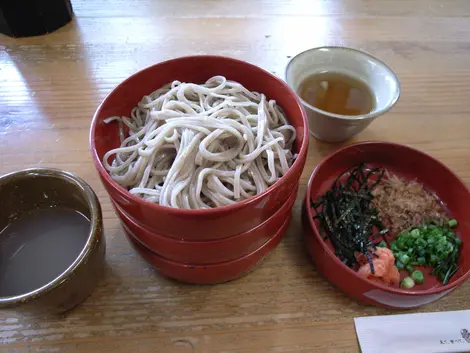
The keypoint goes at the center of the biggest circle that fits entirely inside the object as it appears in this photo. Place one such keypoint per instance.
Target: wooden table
(51, 85)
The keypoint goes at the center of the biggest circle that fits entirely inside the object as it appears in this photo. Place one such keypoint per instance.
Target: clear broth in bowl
(337, 93)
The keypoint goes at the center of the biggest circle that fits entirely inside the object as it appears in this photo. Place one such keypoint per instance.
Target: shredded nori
(347, 216)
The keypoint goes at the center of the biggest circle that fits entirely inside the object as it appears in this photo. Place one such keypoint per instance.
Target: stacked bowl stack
(209, 245)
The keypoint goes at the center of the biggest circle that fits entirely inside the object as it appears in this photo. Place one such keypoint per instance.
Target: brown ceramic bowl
(31, 189)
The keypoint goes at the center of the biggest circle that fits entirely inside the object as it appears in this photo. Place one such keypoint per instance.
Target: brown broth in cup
(337, 93)
(38, 247)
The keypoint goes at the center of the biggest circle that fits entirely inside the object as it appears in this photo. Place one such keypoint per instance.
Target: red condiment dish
(210, 251)
(205, 224)
(209, 274)
(410, 164)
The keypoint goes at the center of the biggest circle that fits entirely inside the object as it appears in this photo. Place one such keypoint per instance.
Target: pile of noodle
(199, 146)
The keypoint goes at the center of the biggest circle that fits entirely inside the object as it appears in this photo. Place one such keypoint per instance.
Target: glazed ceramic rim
(92, 239)
(316, 232)
(210, 211)
(373, 114)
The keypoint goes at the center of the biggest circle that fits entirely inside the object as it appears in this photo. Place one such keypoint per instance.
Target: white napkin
(415, 333)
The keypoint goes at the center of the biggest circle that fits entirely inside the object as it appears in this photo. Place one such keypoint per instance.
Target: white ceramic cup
(374, 73)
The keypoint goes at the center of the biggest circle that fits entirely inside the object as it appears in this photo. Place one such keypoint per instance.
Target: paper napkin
(415, 333)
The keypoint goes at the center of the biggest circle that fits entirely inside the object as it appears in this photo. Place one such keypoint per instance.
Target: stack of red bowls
(209, 245)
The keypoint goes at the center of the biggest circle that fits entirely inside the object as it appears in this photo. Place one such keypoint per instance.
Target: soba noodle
(200, 146)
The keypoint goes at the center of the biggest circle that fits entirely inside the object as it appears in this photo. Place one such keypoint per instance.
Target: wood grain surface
(51, 85)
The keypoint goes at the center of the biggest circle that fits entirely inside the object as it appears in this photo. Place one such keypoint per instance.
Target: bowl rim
(94, 234)
(332, 48)
(280, 233)
(302, 154)
(209, 242)
(316, 233)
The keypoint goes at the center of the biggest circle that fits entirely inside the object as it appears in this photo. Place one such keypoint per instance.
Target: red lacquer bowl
(410, 164)
(210, 251)
(205, 224)
(209, 274)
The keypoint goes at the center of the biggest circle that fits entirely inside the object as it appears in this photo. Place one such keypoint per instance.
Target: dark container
(25, 18)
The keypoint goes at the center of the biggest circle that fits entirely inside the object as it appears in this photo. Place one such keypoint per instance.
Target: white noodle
(200, 146)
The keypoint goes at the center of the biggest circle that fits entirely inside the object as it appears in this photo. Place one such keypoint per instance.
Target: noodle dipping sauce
(343, 90)
(51, 243)
(337, 93)
(34, 250)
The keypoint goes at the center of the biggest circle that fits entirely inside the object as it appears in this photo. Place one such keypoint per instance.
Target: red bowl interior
(198, 224)
(209, 274)
(210, 251)
(410, 164)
